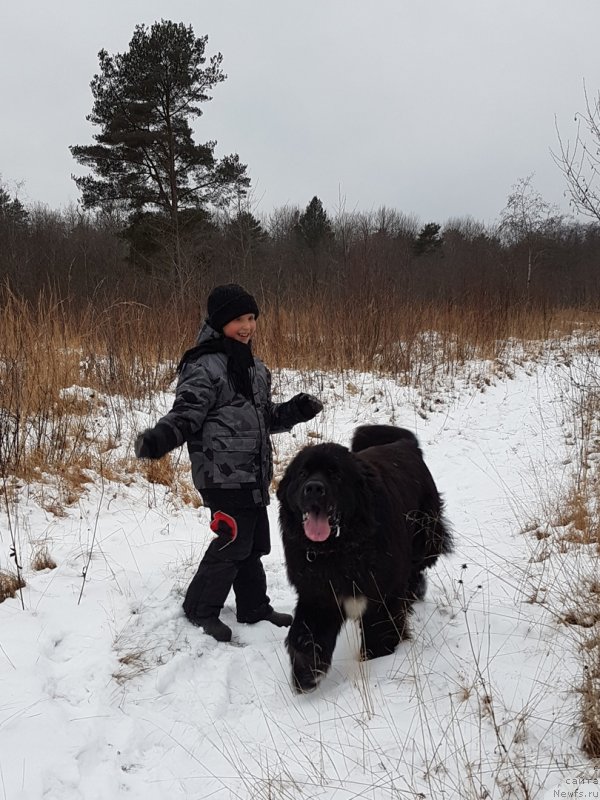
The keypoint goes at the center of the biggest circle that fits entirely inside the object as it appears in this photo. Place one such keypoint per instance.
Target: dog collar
(311, 553)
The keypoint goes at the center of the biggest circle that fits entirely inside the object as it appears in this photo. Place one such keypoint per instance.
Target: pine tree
(144, 159)
(13, 214)
(428, 239)
(314, 228)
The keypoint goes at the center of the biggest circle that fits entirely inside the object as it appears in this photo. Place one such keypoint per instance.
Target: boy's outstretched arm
(155, 442)
(301, 408)
(194, 396)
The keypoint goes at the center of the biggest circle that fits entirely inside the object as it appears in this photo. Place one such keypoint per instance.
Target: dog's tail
(375, 435)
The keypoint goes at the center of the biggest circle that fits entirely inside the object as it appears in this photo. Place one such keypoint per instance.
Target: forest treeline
(293, 253)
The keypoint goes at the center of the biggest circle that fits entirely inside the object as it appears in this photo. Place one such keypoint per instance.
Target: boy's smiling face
(241, 328)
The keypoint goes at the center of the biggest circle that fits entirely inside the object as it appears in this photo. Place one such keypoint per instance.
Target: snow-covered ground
(106, 691)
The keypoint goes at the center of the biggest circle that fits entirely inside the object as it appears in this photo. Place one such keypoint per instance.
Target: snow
(107, 691)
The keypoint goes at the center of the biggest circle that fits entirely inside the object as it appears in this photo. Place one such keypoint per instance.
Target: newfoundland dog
(359, 528)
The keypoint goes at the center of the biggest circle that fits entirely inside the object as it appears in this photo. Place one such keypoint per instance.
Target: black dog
(359, 528)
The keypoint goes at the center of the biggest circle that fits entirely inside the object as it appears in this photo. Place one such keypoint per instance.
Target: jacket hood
(206, 333)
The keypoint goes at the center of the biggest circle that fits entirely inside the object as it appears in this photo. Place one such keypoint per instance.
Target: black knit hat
(228, 302)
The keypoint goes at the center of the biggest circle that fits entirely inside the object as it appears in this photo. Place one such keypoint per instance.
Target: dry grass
(10, 584)
(590, 698)
(577, 533)
(396, 336)
(166, 472)
(47, 349)
(41, 559)
(128, 351)
(131, 665)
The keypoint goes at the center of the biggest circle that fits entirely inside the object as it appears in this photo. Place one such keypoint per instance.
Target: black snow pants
(234, 564)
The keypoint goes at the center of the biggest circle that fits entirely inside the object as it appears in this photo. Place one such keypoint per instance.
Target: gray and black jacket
(227, 434)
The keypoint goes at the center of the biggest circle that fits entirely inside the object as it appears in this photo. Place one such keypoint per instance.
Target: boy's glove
(155, 442)
(224, 526)
(308, 406)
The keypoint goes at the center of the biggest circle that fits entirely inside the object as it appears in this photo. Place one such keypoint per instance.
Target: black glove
(155, 442)
(308, 406)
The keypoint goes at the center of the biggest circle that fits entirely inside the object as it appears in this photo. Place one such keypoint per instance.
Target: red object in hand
(224, 525)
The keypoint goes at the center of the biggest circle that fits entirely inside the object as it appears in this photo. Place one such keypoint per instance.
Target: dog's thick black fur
(359, 528)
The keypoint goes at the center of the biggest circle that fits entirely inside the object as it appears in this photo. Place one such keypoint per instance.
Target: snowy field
(106, 691)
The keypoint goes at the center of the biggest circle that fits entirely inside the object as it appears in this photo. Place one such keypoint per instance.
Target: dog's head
(320, 488)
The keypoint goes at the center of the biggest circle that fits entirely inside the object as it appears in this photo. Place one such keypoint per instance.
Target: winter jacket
(226, 433)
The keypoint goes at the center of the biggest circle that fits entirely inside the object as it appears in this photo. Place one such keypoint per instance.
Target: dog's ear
(291, 472)
(281, 489)
(284, 483)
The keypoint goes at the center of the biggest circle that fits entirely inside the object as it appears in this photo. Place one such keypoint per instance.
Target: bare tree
(579, 161)
(526, 219)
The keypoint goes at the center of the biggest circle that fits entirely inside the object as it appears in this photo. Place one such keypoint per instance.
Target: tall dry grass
(570, 532)
(395, 335)
(53, 346)
(582, 530)
(131, 350)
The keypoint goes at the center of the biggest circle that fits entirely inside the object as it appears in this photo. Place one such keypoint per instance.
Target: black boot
(266, 614)
(280, 619)
(213, 627)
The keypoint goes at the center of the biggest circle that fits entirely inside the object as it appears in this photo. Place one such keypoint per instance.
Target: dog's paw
(307, 671)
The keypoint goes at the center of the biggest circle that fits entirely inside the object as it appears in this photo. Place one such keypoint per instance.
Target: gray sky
(432, 107)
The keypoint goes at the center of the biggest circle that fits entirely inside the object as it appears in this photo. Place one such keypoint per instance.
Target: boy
(223, 410)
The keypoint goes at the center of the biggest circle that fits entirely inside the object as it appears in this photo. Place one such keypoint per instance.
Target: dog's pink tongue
(317, 527)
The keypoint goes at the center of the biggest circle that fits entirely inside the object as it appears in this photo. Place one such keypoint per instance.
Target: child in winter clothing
(223, 410)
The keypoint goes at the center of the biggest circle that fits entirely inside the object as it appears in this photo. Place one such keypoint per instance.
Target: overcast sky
(433, 107)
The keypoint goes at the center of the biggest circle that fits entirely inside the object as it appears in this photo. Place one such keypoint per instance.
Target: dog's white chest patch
(354, 607)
